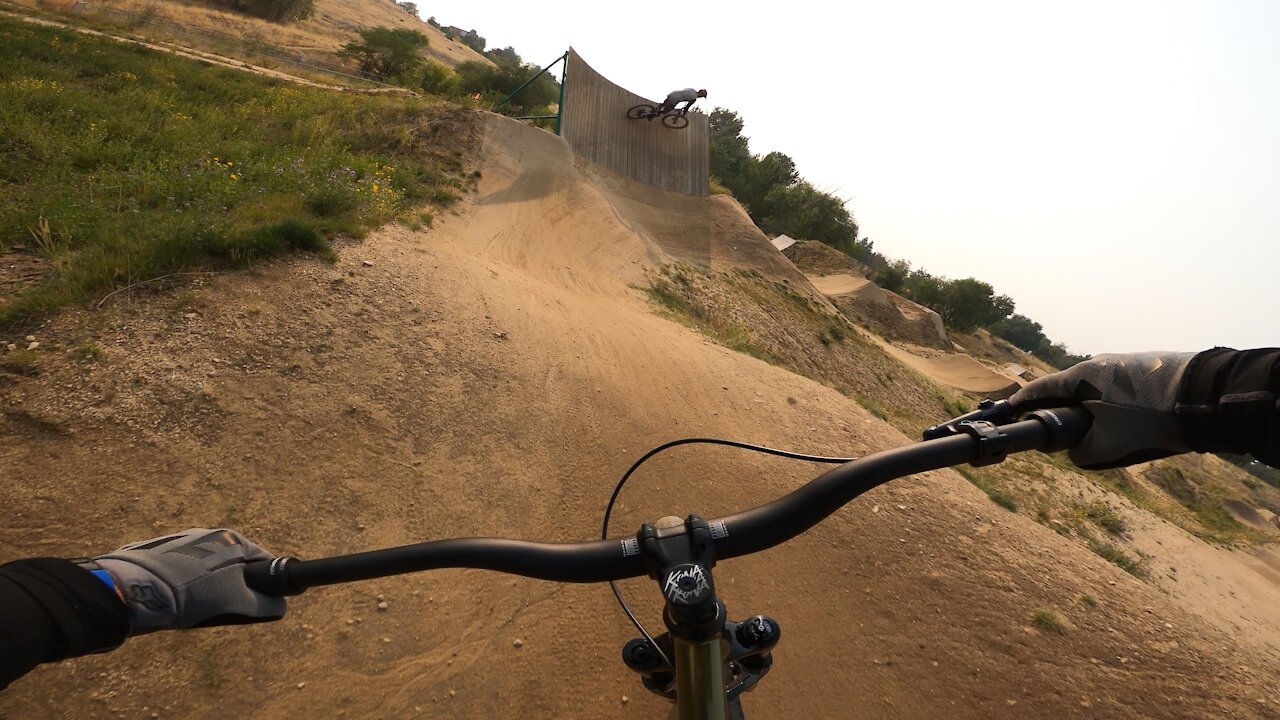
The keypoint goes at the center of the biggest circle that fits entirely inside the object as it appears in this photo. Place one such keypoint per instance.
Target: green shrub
(1105, 517)
(1119, 558)
(160, 163)
(1048, 621)
(437, 79)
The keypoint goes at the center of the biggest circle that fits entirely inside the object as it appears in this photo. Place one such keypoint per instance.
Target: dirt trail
(493, 376)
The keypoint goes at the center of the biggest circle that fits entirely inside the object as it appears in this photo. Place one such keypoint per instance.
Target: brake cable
(608, 510)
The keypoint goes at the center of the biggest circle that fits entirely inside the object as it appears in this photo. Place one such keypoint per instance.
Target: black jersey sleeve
(51, 609)
(1229, 401)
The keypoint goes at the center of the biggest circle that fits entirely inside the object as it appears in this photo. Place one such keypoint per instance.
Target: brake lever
(996, 412)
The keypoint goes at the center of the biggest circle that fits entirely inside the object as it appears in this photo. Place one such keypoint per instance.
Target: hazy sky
(1114, 167)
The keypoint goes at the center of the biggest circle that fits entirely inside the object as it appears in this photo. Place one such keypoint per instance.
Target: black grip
(271, 577)
(1065, 426)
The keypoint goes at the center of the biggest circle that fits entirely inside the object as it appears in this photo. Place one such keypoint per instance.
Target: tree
(1023, 332)
(729, 151)
(923, 288)
(411, 8)
(473, 41)
(893, 276)
(969, 304)
(803, 211)
(387, 52)
(507, 54)
(772, 191)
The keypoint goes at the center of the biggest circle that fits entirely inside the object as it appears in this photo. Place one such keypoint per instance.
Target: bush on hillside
(437, 79)
(387, 52)
(274, 10)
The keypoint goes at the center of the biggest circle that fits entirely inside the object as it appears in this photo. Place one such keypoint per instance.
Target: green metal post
(526, 82)
(564, 73)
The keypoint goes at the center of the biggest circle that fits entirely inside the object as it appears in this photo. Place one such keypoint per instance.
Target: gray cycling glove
(192, 579)
(1131, 399)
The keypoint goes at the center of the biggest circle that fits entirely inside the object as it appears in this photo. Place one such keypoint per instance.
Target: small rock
(518, 643)
(31, 338)
(1168, 626)
(386, 639)
(501, 335)
(11, 347)
(367, 263)
(902, 507)
(875, 509)
(382, 606)
(191, 316)
(301, 685)
(33, 346)
(381, 597)
(452, 693)
(625, 699)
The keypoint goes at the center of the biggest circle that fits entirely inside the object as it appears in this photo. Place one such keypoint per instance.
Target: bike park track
(493, 376)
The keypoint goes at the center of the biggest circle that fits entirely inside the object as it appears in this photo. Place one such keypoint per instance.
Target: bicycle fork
(715, 660)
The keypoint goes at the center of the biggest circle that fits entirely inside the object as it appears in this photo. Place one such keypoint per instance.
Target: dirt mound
(815, 258)
(1244, 513)
(983, 345)
(493, 377)
(835, 274)
(882, 312)
(920, 324)
(956, 370)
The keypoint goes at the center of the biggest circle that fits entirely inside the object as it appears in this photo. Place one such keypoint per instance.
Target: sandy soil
(956, 370)
(838, 284)
(493, 376)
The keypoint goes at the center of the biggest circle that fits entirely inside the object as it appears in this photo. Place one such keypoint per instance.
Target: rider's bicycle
(704, 662)
(674, 119)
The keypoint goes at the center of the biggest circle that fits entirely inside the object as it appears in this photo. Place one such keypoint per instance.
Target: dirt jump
(493, 376)
(955, 370)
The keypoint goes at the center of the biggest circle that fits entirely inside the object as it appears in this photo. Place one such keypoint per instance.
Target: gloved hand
(1131, 399)
(192, 579)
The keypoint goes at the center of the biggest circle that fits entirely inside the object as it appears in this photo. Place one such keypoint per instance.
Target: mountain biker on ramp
(1143, 406)
(688, 96)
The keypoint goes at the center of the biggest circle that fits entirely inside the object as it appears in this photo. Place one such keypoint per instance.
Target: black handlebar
(744, 533)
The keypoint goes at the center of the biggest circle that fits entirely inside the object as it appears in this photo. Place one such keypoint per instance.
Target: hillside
(320, 37)
(494, 375)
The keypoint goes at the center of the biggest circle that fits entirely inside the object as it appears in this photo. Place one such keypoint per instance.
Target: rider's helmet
(702, 93)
